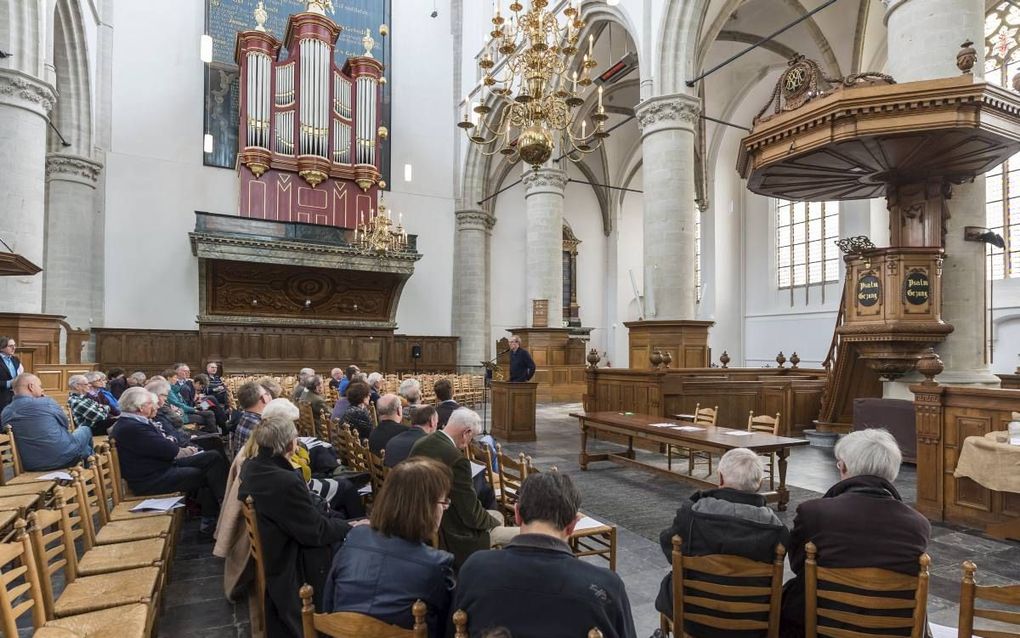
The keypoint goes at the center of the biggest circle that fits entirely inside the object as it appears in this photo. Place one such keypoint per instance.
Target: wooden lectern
(513, 410)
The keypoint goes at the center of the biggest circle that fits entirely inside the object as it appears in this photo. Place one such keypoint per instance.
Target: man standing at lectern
(522, 366)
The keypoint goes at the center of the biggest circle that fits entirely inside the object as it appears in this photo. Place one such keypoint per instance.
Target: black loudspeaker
(416, 352)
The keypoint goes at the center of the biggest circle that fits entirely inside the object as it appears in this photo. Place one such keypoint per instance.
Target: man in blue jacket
(522, 366)
(40, 428)
(152, 462)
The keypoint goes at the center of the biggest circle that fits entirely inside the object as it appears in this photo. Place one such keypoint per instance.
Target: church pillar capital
(474, 219)
(72, 168)
(24, 91)
(544, 180)
(668, 112)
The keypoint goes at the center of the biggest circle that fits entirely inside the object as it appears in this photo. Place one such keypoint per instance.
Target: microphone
(503, 353)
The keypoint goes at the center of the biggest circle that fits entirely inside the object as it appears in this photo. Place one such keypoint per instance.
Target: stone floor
(640, 504)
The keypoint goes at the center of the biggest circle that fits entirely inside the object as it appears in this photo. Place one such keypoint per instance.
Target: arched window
(697, 252)
(1002, 184)
(806, 252)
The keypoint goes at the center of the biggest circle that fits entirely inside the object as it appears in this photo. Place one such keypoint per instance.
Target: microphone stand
(486, 386)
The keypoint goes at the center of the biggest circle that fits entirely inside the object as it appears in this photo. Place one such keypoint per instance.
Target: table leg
(784, 494)
(630, 447)
(583, 458)
(612, 549)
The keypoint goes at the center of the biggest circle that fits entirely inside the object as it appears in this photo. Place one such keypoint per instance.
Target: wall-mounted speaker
(416, 352)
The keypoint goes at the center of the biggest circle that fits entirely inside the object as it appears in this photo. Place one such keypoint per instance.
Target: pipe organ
(303, 114)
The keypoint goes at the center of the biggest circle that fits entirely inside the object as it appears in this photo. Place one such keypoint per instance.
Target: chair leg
(669, 457)
(664, 625)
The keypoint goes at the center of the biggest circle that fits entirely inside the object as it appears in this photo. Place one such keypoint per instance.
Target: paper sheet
(663, 425)
(689, 428)
(55, 476)
(737, 433)
(587, 522)
(159, 504)
(364, 491)
(306, 439)
(476, 469)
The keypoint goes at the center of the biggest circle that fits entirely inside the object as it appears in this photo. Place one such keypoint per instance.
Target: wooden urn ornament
(794, 361)
(725, 359)
(780, 358)
(655, 359)
(930, 365)
(593, 358)
(667, 358)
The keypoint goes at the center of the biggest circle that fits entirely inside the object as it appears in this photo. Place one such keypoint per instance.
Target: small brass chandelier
(536, 92)
(377, 235)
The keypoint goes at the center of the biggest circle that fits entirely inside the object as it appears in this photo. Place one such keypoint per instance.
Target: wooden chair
(745, 596)
(348, 624)
(481, 454)
(970, 592)
(377, 469)
(306, 420)
(769, 425)
(115, 489)
(595, 541)
(512, 472)
(21, 581)
(702, 416)
(460, 623)
(54, 551)
(9, 454)
(870, 589)
(91, 492)
(257, 595)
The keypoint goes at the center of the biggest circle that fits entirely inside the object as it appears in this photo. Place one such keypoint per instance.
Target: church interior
(331, 210)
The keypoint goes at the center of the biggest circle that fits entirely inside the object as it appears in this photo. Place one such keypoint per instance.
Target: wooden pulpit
(513, 410)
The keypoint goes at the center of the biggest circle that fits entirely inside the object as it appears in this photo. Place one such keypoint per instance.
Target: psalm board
(224, 18)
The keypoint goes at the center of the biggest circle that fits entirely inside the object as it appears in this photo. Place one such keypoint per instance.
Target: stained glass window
(1002, 184)
(806, 252)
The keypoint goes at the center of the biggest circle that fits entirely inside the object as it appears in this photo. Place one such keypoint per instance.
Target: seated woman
(204, 418)
(358, 416)
(297, 537)
(381, 570)
(339, 494)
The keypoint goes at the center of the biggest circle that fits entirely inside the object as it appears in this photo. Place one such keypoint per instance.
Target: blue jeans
(83, 438)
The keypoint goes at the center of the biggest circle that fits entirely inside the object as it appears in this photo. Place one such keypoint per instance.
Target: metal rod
(63, 142)
(712, 119)
(615, 188)
(502, 190)
(760, 42)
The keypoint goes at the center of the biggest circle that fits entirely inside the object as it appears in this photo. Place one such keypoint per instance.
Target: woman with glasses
(384, 567)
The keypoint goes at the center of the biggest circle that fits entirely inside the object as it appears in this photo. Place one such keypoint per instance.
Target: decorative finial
(667, 358)
(384, 30)
(794, 360)
(930, 365)
(369, 42)
(725, 359)
(655, 359)
(593, 358)
(780, 358)
(318, 6)
(966, 58)
(261, 15)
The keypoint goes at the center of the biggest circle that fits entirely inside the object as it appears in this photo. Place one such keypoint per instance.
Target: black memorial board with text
(224, 18)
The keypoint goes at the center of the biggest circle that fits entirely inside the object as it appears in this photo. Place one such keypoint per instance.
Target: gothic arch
(72, 114)
(678, 42)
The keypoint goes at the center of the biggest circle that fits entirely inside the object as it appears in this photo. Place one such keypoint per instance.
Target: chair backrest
(358, 453)
(117, 484)
(375, 415)
(481, 453)
(970, 592)
(377, 469)
(763, 423)
(255, 553)
(324, 425)
(721, 605)
(9, 452)
(19, 580)
(512, 472)
(306, 420)
(89, 501)
(347, 624)
(460, 624)
(705, 416)
(54, 550)
(882, 599)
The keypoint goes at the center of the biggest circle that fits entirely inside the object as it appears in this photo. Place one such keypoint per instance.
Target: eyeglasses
(444, 502)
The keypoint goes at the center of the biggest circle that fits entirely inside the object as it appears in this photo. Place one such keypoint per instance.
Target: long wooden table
(712, 439)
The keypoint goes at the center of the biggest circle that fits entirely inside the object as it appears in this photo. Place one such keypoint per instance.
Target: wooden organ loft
(310, 128)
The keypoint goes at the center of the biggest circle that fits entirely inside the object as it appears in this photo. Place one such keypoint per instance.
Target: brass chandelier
(536, 92)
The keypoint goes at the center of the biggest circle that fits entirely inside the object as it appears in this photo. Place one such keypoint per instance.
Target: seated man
(733, 519)
(40, 428)
(334, 378)
(398, 448)
(390, 416)
(252, 398)
(410, 397)
(467, 527)
(84, 409)
(860, 522)
(445, 405)
(540, 587)
(151, 463)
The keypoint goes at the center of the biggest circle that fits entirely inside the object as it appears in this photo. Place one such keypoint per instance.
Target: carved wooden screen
(1002, 184)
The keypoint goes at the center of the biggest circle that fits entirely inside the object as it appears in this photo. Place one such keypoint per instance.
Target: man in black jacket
(445, 404)
(522, 366)
(390, 414)
(10, 367)
(860, 522)
(535, 586)
(424, 422)
(733, 519)
(298, 539)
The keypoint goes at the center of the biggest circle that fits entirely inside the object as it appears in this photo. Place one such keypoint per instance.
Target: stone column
(25, 102)
(924, 37)
(70, 287)
(670, 252)
(471, 285)
(543, 196)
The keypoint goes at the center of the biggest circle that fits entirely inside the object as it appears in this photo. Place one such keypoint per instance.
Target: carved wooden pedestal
(513, 410)
(685, 341)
